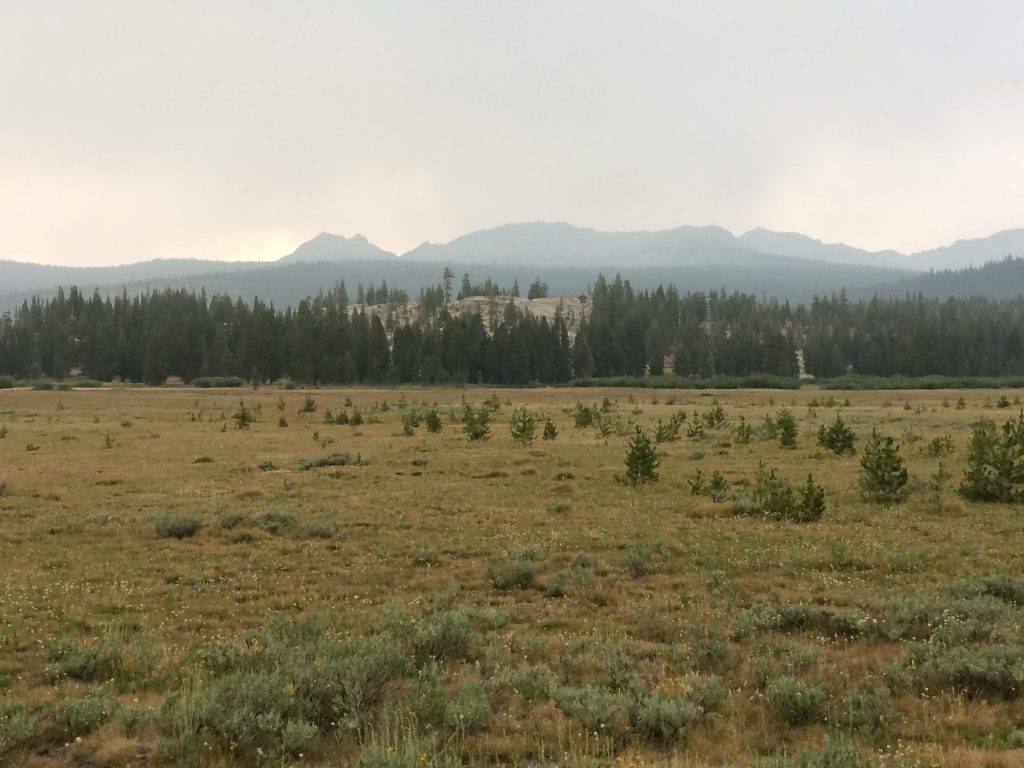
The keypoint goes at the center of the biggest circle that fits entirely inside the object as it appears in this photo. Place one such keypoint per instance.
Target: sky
(236, 130)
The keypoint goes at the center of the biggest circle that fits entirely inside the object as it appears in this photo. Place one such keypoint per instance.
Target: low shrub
(17, 725)
(79, 716)
(836, 753)
(794, 702)
(987, 672)
(277, 520)
(511, 573)
(469, 709)
(443, 636)
(332, 460)
(177, 526)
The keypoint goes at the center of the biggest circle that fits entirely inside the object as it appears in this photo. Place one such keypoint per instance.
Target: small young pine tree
(475, 422)
(523, 426)
(785, 423)
(244, 416)
(812, 502)
(744, 432)
(837, 437)
(550, 430)
(883, 477)
(995, 462)
(432, 421)
(641, 460)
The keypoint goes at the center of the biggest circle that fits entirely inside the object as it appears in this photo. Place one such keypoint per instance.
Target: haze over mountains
(784, 265)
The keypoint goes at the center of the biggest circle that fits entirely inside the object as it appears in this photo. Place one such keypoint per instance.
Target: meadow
(206, 577)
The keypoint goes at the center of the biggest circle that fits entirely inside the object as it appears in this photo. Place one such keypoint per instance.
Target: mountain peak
(330, 247)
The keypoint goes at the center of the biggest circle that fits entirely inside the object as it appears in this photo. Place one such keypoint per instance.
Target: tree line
(620, 332)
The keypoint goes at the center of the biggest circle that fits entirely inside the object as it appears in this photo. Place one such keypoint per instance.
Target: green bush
(1003, 586)
(595, 706)
(661, 717)
(532, 683)
(987, 672)
(642, 558)
(7, 382)
(511, 573)
(470, 709)
(836, 753)
(443, 636)
(868, 707)
(178, 526)
(796, 703)
(252, 712)
(92, 663)
(80, 716)
(17, 725)
(276, 520)
(332, 460)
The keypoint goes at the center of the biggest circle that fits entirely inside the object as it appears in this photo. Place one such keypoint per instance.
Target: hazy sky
(142, 129)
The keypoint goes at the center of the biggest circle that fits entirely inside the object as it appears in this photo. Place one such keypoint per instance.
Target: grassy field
(178, 591)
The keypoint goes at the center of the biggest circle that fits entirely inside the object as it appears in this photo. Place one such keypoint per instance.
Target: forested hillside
(616, 330)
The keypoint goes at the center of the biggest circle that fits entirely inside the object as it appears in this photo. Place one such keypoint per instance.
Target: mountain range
(781, 264)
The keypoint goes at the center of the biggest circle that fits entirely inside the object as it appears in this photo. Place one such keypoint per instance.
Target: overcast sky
(135, 130)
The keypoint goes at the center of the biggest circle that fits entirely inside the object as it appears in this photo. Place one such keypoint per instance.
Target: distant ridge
(561, 243)
(779, 264)
(328, 247)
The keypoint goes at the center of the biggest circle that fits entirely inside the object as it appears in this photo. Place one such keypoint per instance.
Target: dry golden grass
(424, 517)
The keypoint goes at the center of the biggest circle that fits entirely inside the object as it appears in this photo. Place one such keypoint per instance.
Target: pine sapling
(641, 460)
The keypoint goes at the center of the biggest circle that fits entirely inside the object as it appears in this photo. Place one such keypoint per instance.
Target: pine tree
(812, 502)
(837, 437)
(432, 421)
(883, 477)
(447, 276)
(785, 423)
(995, 462)
(550, 430)
(641, 460)
(475, 422)
(523, 426)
